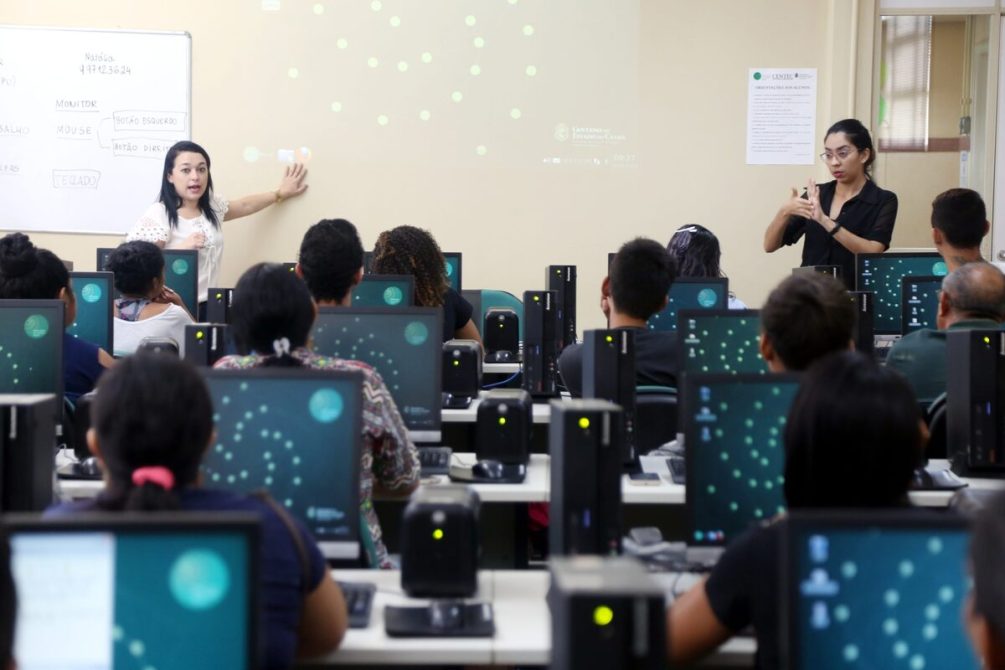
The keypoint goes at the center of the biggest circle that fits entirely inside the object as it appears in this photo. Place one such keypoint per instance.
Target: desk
(541, 412)
(523, 626)
(500, 368)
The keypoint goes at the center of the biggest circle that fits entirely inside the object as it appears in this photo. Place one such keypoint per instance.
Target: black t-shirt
(456, 313)
(745, 589)
(655, 361)
(870, 215)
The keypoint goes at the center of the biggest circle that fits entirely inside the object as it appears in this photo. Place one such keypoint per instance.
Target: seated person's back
(637, 287)
(147, 308)
(972, 296)
(152, 420)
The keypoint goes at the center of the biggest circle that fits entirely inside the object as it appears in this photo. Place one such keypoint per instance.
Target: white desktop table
(523, 626)
(541, 412)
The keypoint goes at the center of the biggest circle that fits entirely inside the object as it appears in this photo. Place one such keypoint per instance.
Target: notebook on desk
(734, 456)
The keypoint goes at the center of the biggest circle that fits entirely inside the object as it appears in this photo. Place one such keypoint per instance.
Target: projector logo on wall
(562, 133)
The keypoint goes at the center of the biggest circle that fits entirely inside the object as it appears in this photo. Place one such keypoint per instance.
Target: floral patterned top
(387, 455)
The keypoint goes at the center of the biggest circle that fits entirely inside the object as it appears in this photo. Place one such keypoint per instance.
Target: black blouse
(870, 215)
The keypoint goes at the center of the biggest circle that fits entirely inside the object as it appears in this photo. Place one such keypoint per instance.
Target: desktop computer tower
(585, 440)
(462, 372)
(609, 374)
(205, 343)
(439, 543)
(605, 613)
(975, 383)
(540, 343)
(865, 329)
(562, 280)
(503, 428)
(218, 302)
(28, 439)
(501, 335)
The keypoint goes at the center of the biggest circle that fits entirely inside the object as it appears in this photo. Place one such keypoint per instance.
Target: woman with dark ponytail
(272, 315)
(30, 273)
(152, 420)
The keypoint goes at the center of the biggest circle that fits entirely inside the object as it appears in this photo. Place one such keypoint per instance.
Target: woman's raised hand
(292, 183)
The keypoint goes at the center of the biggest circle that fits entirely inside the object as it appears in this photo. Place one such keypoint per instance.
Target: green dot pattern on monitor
(723, 344)
(883, 598)
(883, 274)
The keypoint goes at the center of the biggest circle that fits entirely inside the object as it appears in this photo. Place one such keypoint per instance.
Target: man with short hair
(636, 288)
(331, 262)
(806, 317)
(973, 296)
(959, 223)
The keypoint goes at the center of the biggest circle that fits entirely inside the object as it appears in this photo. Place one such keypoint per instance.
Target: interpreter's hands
(196, 240)
(797, 205)
(292, 183)
(817, 212)
(167, 296)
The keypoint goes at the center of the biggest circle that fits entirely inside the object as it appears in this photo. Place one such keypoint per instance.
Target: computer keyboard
(675, 464)
(435, 460)
(359, 602)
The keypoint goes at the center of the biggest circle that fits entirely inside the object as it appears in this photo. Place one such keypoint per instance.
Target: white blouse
(154, 227)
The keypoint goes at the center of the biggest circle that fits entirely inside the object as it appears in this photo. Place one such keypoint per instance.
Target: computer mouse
(89, 467)
(487, 469)
(445, 614)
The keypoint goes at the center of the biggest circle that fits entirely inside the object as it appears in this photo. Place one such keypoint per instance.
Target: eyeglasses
(841, 154)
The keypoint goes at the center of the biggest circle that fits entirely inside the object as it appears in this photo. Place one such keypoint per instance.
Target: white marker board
(86, 117)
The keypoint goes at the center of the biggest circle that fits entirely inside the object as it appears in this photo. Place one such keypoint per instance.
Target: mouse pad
(512, 473)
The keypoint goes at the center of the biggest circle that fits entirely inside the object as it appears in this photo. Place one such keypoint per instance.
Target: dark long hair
(169, 196)
(271, 303)
(696, 250)
(858, 135)
(407, 250)
(853, 436)
(150, 410)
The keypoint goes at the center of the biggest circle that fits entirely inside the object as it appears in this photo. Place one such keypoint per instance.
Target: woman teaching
(188, 213)
(847, 216)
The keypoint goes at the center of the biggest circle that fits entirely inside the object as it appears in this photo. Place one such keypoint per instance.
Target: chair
(492, 299)
(655, 416)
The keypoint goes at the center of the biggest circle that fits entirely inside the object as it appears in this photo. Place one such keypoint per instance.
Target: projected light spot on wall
(326, 405)
(36, 327)
(393, 295)
(427, 57)
(336, 107)
(424, 115)
(515, 113)
(293, 72)
(481, 150)
(528, 30)
(416, 333)
(382, 120)
(199, 579)
(475, 70)
(342, 43)
(319, 9)
(91, 293)
(470, 21)
(395, 21)
(180, 266)
(402, 66)
(373, 61)
(457, 96)
(478, 42)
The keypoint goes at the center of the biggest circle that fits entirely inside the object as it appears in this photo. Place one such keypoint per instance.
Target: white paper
(781, 116)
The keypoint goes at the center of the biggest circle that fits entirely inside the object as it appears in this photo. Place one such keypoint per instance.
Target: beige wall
(693, 58)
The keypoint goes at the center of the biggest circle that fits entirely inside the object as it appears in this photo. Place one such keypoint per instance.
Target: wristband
(835, 229)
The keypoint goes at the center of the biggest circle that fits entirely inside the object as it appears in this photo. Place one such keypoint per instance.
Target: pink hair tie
(156, 474)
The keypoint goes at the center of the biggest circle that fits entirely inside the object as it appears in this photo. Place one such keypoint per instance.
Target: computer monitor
(296, 433)
(94, 295)
(453, 259)
(384, 291)
(181, 273)
(919, 303)
(720, 340)
(31, 346)
(404, 344)
(876, 589)
(881, 274)
(733, 429)
(690, 293)
(165, 591)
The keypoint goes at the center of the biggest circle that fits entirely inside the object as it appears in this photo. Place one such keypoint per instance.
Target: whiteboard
(86, 118)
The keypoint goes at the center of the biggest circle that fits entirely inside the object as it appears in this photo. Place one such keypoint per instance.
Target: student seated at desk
(30, 273)
(640, 277)
(152, 420)
(272, 314)
(852, 440)
(806, 317)
(696, 252)
(147, 308)
(985, 611)
(331, 262)
(959, 223)
(407, 250)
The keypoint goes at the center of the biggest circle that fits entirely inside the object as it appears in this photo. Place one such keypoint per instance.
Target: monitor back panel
(920, 303)
(688, 293)
(31, 346)
(295, 433)
(384, 291)
(181, 273)
(171, 592)
(94, 293)
(881, 274)
(876, 590)
(735, 454)
(720, 341)
(404, 344)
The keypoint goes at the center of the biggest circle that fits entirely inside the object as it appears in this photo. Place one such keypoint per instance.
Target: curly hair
(407, 250)
(136, 266)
